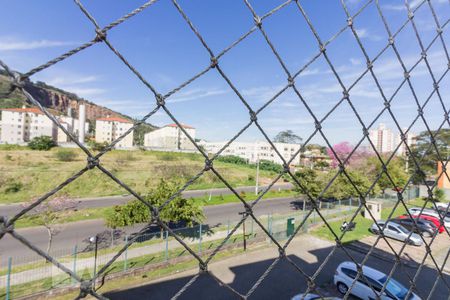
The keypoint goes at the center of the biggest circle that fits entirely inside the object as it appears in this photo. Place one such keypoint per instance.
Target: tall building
(170, 137)
(21, 125)
(259, 150)
(382, 138)
(110, 128)
(386, 141)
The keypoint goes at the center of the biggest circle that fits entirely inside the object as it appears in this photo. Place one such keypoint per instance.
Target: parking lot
(284, 280)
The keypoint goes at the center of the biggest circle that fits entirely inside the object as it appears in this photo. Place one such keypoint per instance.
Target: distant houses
(109, 129)
(21, 125)
(171, 138)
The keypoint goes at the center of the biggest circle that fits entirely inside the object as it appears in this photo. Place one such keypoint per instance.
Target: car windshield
(395, 288)
(403, 229)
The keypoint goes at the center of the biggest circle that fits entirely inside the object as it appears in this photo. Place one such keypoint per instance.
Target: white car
(346, 273)
(313, 297)
(414, 211)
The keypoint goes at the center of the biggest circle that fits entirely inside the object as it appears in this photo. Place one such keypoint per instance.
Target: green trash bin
(290, 226)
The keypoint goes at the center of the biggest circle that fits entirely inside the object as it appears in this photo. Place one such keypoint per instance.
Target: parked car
(442, 206)
(397, 232)
(346, 274)
(435, 221)
(313, 297)
(429, 212)
(426, 228)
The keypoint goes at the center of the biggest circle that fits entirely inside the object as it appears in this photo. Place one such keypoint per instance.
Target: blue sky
(159, 43)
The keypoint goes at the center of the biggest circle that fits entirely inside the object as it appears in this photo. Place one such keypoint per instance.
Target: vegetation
(177, 210)
(287, 136)
(309, 180)
(49, 213)
(43, 143)
(65, 155)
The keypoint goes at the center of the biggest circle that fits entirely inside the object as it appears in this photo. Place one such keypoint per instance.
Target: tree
(41, 143)
(50, 213)
(396, 171)
(424, 148)
(322, 164)
(287, 136)
(178, 210)
(342, 188)
(309, 180)
(343, 150)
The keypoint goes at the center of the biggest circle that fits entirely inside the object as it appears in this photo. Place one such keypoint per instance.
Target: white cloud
(64, 81)
(363, 33)
(13, 44)
(355, 61)
(195, 94)
(85, 92)
(263, 93)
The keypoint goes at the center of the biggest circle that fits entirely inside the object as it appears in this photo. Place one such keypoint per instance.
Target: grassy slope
(38, 172)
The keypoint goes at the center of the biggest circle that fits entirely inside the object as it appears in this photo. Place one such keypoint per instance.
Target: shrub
(95, 146)
(65, 155)
(267, 165)
(41, 143)
(232, 159)
(8, 157)
(13, 187)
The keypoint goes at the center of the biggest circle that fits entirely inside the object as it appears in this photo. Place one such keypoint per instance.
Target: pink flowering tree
(50, 213)
(343, 150)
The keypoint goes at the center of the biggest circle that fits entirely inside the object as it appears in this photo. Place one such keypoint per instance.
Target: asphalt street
(74, 233)
(12, 209)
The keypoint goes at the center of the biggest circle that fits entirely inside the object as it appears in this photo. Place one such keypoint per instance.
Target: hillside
(60, 101)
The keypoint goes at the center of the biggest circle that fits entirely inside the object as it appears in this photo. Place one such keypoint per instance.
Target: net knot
(100, 35)
(160, 101)
(85, 288)
(286, 168)
(92, 162)
(420, 111)
(350, 22)
(410, 15)
(281, 252)
(322, 48)
(203, 268)
(291, 81)
(318, 125)
(439, 30)
(258, 21)
(208, 164)
(365, 131)
(5, 226)
(345, 94)
(435, 85)
(362, 200)
(253, 116)
(369, 65)
(399, 196)
(424, 54)
(18, 80)
(406, 75)
(391, 40)
(387, 104)
(214, 61)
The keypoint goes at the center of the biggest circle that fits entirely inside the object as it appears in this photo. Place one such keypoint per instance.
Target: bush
(98, 146)
(13, 187)
(65, 155)
(232, 159)
(8, 157)
(267, 165)
(41, 143)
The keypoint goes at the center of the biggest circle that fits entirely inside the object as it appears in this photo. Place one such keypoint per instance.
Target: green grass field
(27, 174)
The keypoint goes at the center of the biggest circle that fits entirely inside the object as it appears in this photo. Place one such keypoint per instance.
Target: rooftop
(182, 125)
(34, 110)
(114, 119)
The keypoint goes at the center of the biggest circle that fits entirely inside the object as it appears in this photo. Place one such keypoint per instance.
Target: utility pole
(243, 230)
(257, 176)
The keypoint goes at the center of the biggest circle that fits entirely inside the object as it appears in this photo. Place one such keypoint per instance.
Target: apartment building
(110, 128)
(259, 150)
(386, 141)
(21, 125)
(171, 137)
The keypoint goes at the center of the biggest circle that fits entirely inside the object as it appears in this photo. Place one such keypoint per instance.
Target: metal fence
(87, 286)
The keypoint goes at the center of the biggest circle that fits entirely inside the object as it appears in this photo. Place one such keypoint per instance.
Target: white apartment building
(171, 137)
(72, 125)
(21, 125)
(386, 141)
(110, 128)
(259, 150)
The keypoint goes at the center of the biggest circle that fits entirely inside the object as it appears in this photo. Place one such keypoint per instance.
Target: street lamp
(92, 240)
(243, 229)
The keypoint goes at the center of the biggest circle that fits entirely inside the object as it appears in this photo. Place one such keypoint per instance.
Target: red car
(433, 220)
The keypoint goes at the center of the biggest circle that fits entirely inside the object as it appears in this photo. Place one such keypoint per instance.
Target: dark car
(426, 228)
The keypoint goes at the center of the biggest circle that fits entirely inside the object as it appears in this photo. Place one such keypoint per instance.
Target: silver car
(397, 232)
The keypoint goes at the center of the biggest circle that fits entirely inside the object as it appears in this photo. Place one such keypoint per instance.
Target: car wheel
(374, 231)
(342, 288)
(427, 234)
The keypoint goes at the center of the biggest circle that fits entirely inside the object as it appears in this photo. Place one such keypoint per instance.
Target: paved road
(12, 209)
(75, 233)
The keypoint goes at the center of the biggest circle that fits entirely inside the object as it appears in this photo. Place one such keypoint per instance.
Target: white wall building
(73, 126)
(170, 137)
(21, 125)
(386, 141)
(110, 128)
(259, 150)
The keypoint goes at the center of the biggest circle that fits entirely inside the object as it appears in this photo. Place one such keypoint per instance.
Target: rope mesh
(94, 161)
